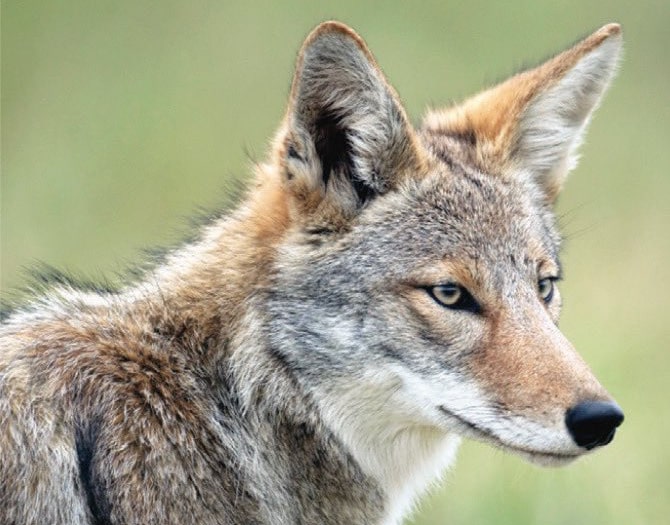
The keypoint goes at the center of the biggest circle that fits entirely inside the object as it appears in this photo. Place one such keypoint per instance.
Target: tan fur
(295, 363)
(493, 115)
(553, 374)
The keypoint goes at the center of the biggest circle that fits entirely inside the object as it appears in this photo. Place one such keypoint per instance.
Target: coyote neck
(205, 286)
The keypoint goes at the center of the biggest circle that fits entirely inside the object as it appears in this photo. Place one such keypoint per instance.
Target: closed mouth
(478, 432)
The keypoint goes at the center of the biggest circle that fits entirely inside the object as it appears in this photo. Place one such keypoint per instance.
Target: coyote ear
(535, 121)
(346, 137)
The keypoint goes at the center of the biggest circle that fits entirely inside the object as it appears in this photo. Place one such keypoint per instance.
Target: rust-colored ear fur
(346, 137)
(534, 121)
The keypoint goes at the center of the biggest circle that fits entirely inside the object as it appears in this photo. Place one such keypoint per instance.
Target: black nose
(593, 423)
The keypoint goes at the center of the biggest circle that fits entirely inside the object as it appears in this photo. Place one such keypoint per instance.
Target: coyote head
(415, 290)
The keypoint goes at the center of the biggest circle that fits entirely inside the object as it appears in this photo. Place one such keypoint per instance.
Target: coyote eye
(453, 296)
(545, 288)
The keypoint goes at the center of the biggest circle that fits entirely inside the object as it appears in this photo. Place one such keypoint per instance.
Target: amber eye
(453, 296)
(545, 288)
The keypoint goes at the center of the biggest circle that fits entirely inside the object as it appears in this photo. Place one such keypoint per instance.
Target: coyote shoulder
(315, 356)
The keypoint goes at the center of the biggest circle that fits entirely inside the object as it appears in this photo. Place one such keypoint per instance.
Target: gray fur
(290, 366)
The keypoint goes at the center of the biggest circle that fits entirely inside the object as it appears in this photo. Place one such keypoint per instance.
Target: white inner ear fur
(553, 124)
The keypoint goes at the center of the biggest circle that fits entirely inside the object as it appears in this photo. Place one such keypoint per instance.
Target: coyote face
(315, 356)
(419, 291)
(441, 302)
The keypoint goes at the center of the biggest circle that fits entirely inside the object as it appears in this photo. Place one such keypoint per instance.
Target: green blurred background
(121, 118)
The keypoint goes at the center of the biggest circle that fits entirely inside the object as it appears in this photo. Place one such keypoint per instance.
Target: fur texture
(315, 356)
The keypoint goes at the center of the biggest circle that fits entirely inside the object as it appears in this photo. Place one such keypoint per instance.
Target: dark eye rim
(465, 302)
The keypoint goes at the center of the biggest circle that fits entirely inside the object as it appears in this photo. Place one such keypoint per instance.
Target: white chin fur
(467, 411)
(393, 425)
(545, 460)
(536, 443)
(377, 423)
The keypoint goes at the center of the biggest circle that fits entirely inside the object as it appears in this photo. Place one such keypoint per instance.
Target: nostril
(593, 423)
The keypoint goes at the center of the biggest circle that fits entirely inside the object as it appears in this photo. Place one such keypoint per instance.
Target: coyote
(316, 355)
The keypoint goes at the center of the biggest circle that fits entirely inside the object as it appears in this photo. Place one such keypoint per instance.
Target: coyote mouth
(480, 433)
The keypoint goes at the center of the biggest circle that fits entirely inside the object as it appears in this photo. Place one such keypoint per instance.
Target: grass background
(120, 118)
